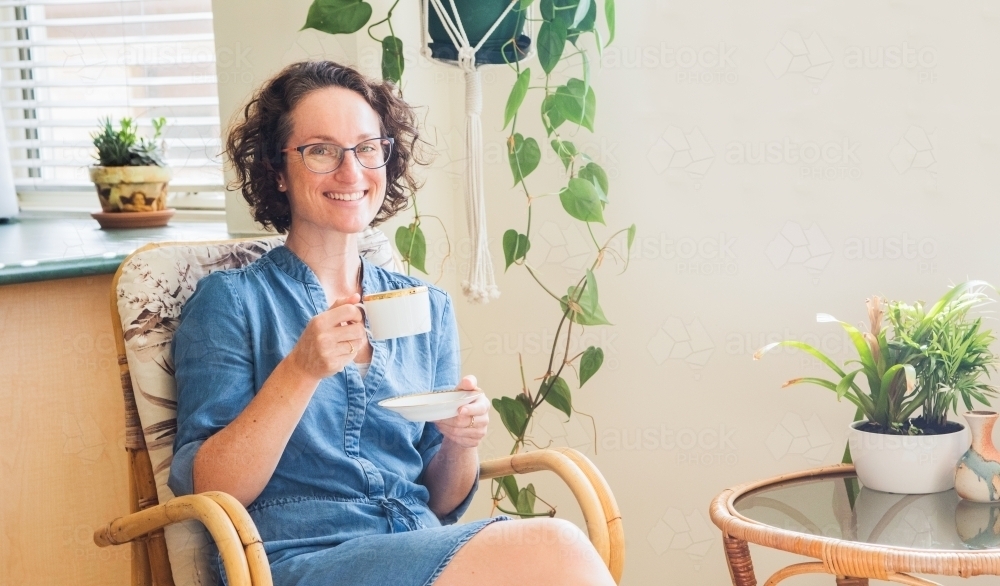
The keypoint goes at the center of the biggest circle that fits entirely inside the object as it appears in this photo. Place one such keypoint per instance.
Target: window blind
(66, 64)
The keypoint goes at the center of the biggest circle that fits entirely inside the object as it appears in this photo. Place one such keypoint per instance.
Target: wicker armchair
(147, 293)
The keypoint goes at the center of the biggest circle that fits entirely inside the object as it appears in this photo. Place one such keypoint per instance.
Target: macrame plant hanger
(480, 284)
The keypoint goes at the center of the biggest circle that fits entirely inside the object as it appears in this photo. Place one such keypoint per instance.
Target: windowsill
(41, 246)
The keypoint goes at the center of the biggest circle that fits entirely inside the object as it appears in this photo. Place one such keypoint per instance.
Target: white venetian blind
(64, 64)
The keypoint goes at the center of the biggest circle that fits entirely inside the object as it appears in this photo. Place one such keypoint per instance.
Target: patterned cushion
(152, 289)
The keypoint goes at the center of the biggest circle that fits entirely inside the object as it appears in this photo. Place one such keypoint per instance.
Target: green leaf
(338, 17)
(587, 310)
(577, 103)
(609, 16)
(515, 246)
(392, 59)
(412, 246)
(526, 501)
(581, 200)
(524, 156)
(596, 175)
(550, 44)
(552, 118)
(582, 10)
(590, 363)
(566, 151)
(509, 484)
(525, 4)
(556, 393)
(516, 96)
(589, 20)
(560, 11)
(513, 415)
(631, 236)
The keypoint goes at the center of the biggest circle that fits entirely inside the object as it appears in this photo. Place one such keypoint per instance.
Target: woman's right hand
(330, 340)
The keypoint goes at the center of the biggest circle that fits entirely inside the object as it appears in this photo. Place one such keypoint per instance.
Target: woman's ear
(282, 183)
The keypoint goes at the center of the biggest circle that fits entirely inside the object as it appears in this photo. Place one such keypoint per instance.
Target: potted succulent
(131, 174)
(929, 360)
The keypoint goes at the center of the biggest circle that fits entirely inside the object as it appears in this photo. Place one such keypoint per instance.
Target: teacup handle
(364, 311)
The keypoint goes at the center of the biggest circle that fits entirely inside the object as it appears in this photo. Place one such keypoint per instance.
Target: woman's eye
(366, 148)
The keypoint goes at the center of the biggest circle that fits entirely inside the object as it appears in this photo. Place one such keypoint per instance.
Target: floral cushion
(153, 287)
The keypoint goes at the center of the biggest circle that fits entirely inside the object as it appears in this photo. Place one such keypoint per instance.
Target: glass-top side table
(856, 533)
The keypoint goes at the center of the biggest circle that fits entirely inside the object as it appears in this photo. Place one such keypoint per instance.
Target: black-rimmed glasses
(325, 157)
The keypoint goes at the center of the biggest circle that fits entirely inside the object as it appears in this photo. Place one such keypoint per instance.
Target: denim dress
(347, 502)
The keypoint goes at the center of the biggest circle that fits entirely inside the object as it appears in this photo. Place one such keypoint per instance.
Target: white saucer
(430, 406)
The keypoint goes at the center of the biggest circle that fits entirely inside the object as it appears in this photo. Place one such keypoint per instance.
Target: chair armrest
(227, 521)
(600, 511)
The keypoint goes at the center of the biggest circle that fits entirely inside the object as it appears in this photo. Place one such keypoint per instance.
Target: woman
(278, 384)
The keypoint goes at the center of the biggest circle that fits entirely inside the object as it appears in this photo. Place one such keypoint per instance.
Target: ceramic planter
(477, 17)
(905, 464)
(131, 189)
(978, 475)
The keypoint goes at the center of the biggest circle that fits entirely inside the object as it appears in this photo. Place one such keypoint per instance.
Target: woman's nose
(350, 169)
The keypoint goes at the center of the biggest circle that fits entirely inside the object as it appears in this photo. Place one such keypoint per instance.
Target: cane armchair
(168, 535)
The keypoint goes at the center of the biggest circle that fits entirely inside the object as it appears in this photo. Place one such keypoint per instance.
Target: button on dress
(347, 502)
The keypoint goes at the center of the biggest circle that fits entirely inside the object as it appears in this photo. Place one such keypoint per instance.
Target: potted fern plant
(927, 361)
(131, 175)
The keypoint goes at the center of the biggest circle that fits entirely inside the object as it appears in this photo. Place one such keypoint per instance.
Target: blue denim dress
(346, 503)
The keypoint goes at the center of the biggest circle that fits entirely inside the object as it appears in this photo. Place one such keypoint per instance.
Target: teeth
(345, 196)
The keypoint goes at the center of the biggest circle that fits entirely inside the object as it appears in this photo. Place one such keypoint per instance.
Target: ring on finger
(473, 422)
(352, 345)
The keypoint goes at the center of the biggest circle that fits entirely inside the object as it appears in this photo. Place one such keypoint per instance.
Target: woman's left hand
(468, 428)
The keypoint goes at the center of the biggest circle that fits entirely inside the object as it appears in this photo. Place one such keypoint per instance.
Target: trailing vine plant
(568, 102)
(342, 17)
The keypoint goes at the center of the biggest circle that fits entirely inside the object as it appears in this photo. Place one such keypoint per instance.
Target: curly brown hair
(256, 139)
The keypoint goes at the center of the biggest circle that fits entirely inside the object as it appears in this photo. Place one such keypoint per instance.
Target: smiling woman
(279, 389)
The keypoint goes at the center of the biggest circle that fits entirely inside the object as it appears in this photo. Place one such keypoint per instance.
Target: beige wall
(63, 468)
(731, 251)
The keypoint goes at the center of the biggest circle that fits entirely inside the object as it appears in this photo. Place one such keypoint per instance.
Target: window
(65, 64)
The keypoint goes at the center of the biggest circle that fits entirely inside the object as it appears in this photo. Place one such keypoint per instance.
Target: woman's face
(347, 199)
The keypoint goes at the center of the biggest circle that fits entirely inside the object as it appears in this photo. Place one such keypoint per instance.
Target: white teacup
(397, 313)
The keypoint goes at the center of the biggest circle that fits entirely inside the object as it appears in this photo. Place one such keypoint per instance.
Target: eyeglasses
(324, 157)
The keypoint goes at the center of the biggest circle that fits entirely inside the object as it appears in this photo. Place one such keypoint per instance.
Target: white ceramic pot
(904, 464)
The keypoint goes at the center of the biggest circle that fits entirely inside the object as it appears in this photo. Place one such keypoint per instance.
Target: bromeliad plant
(565, 102)
(931, 358)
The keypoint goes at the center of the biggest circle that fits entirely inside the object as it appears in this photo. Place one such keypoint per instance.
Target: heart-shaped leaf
(515, 246)
(587, 309)
(596, 175)
(523, 155)
(556, 393)
(566, 151)
(550, 44)
(338, 17)
(526, 501)
(516, 96)
(552, 118)
(392, 59)
(577, 102)
(581, 200)
(590, 363)
(513, 415)
(412, 246)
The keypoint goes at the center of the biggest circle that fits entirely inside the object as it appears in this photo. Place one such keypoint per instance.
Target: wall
(879, 134)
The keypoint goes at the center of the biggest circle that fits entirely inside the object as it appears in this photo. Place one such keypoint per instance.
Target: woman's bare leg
(544, 551)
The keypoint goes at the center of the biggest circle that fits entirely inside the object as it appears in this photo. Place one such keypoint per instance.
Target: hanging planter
(470, 34)
(477, 18)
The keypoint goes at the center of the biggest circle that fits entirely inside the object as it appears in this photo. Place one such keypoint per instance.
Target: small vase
(978, 476)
